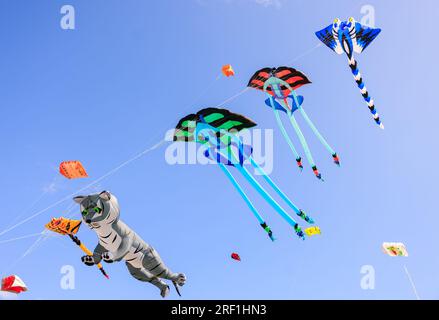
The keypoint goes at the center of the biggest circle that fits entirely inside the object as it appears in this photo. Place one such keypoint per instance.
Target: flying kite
(117, 242)
(349, 37)
(13, 284)
(227, 70)
(235, 256)
(72, 170)
(217, 131)
(70, 227)
(395, 249)
(280, 84)
(312, 231)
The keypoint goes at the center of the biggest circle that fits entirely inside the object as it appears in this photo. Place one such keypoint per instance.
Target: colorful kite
(312, 231)
(227, 70)
(349, 37)
(280, 85)
(70, 227)
(235, 256)
(217, 130)
(64, 226)
(13, 284)
(395, 249)
(72, 170)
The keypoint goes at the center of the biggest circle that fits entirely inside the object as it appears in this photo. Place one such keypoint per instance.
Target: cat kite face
(97, 209)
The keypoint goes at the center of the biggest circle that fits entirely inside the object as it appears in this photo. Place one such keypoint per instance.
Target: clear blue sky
(131, 69)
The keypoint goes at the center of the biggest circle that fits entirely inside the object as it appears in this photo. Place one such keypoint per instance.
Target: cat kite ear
(105, 195)
(78, 199)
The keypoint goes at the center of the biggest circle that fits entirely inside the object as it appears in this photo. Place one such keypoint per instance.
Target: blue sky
(131, 69)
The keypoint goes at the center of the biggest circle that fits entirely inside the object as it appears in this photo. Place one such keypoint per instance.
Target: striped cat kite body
(351, 37)
(119, 242)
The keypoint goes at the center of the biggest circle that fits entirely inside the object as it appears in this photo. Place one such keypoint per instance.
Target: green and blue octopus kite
(217, 130)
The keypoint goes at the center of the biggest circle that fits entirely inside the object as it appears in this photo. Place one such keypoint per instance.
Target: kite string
(412, 283)
(319, 44)
(44, 235)
(305, 53)
(22, 237)
(232, 97)
(139, 155)
(68, 197)
(111, 172)
(35, 202)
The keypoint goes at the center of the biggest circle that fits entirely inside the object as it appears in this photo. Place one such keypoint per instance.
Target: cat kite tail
(70, 227)
(280, 85)
(217, 130)
(351, 37)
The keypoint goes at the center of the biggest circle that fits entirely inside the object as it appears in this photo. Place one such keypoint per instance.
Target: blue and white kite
(349, 37)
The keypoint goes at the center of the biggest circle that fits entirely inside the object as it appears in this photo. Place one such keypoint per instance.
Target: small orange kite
(70, 227)
(64, 226)
(72, 170)
(227, 70)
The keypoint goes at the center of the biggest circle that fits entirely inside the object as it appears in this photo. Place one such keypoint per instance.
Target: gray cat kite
(118, 242)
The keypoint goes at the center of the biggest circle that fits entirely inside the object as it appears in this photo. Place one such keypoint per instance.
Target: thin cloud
(50, 188)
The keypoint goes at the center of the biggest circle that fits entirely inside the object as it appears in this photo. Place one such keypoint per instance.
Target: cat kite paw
(107, 257)
(164, 292)
(88, 260)
(181, 279)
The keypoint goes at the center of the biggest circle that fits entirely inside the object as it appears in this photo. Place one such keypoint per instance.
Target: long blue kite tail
(316, 132)
(271, 201)
(298, 211)
(359, 80)
(304, 144)
(247, 200)
(285, 134)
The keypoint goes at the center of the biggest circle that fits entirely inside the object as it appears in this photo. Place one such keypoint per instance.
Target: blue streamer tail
(247, 201)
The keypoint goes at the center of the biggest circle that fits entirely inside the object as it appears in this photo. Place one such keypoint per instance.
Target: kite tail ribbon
(314, 129)
(303, 143)
(359, 80)
(271, 201)
(285, 134)
(268, 230)
(87, 252)
(247, 200)
(298, 211)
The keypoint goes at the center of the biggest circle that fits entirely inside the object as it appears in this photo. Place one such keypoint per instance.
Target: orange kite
(227, 70)
(72, 170)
